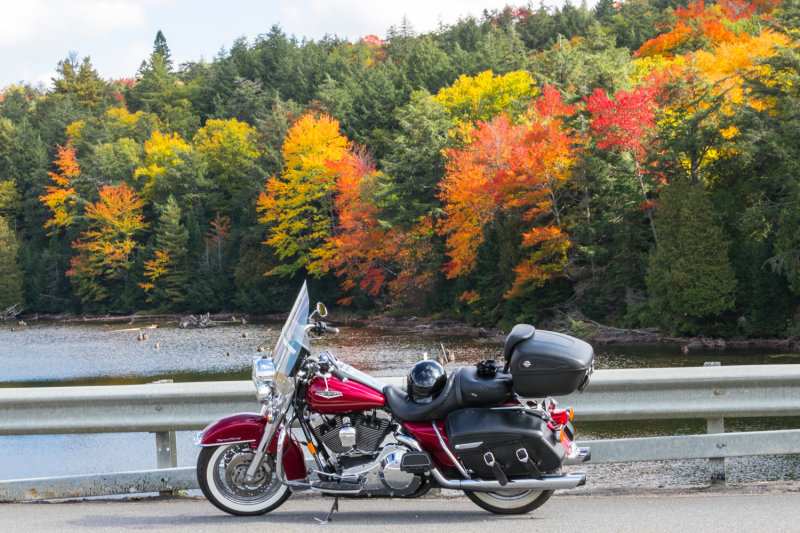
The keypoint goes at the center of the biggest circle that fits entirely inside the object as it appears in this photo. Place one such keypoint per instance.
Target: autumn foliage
(104, 250)
(516, 170)
(61, 198)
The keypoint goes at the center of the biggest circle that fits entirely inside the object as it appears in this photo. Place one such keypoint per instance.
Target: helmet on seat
(425, 380)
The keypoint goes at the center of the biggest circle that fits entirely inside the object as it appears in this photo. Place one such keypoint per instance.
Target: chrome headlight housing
(264, 378)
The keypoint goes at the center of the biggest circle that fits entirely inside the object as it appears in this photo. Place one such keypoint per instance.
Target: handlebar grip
(338, 374)
(331, 329)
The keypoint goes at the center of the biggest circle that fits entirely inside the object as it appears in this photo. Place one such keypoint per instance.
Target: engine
(358, 442)
(352, 434)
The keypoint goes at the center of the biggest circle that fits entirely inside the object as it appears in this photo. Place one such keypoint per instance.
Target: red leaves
(625, 123)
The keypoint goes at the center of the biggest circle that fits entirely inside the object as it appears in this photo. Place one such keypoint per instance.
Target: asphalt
(773, 507)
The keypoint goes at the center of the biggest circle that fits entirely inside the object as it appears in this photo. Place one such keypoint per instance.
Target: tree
(101, 266)
(363, 252)
(484, 96)
(229, 149)
(626, 123)
(79, 81)
(11, 279)
(297, 206)
(691, 280)
(510, 171)
(172, 167)
(167, 273)
(62, 198)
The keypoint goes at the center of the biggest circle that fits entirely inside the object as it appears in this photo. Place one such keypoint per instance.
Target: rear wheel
(509, 502)
(221, 473)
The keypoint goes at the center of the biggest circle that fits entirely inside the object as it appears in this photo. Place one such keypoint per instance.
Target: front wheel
(221, 471)
(509, 502)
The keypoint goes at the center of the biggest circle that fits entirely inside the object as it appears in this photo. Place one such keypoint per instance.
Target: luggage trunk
(550, 364)
(473, 432)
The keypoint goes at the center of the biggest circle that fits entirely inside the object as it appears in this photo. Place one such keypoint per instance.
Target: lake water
(93, 353)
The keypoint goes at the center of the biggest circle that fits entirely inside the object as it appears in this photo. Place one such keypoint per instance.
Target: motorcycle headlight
(264, 378)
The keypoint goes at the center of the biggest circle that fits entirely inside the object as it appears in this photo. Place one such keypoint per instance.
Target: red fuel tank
(340, 397)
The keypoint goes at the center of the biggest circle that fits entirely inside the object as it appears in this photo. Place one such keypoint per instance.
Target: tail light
(562, 416)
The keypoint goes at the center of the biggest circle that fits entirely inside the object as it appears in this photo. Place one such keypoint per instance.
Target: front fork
(273, 422)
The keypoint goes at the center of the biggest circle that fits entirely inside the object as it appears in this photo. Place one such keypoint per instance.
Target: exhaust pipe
(566, 481)
(579, 455)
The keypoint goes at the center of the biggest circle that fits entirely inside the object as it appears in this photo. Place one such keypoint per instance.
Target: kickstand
(334, 507)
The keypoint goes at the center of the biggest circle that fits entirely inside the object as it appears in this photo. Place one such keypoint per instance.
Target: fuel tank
(338, 397)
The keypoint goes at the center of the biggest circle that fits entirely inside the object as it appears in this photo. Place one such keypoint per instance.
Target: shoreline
(602, 335)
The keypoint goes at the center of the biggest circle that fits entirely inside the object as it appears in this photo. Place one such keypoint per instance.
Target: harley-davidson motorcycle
(490, 430)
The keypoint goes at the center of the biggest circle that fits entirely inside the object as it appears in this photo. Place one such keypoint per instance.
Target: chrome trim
(226, 443)
(452, 457)
(565, 481)
(266, 438)
(408, 441)
(468, 445)
(363, 378)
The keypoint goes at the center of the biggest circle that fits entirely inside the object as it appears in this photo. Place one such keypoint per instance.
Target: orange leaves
(61, 198)
(104, 249)
(155, 268)
(695, 26)
(512, 170)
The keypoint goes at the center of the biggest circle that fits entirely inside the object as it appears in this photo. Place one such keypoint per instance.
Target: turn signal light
(560, 434)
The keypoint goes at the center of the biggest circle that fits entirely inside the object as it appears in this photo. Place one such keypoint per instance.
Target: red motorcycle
(482, 429)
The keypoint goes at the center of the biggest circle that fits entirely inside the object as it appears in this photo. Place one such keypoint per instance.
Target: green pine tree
(691, 280)
(10, 271)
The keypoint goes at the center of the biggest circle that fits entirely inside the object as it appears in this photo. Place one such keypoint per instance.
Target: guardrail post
(716, 425)
(166, 448)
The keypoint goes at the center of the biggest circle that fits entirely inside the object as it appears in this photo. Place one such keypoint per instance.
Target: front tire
(507, 502)
(221, 471)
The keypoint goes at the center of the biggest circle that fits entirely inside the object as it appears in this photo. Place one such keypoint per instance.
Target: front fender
(249, 427)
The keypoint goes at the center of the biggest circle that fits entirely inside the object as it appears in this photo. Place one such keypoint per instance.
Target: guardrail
(711, 393)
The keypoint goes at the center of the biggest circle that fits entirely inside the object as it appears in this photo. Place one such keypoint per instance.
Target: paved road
(773, 508)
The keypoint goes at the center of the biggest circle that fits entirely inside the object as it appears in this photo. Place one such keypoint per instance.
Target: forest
(636, 164)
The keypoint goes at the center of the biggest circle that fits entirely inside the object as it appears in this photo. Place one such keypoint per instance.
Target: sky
(118, 35)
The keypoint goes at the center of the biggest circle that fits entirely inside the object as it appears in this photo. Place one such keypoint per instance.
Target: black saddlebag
(473, 432)
(544, 363)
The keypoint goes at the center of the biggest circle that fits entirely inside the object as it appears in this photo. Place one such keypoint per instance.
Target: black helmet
(425, 380)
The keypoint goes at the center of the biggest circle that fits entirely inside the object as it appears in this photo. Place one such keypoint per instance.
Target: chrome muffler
(578, 456)
(566, 481)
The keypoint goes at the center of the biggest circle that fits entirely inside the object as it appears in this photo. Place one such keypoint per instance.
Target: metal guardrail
(711, 393)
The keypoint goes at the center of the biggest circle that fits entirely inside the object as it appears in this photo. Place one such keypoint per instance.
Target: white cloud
(44, 22)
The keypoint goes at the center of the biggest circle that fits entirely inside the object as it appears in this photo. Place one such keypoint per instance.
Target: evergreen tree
(10, 271)
(691, 280)
(168, 272)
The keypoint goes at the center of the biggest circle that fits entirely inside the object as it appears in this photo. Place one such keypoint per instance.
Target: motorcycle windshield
(290, 342)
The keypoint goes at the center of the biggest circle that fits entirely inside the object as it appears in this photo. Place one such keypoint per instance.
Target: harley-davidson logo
(527, 363)
(328, 394)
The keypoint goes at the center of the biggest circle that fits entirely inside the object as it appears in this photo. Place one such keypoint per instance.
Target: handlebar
(338, 374)
(320, 327)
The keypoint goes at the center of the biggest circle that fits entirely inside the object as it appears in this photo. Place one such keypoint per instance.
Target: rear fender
(248, 428)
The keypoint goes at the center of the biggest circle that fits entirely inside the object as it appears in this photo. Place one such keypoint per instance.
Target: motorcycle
(482, 429)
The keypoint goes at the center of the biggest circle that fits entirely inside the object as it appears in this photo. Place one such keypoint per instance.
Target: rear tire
(506, 502)
(220, 473)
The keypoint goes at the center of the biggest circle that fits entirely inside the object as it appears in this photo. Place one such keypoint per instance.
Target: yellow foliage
(484, 96)
(75, 130)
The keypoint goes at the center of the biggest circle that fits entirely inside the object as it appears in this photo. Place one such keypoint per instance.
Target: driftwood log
(203, 321)
(10, 313)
